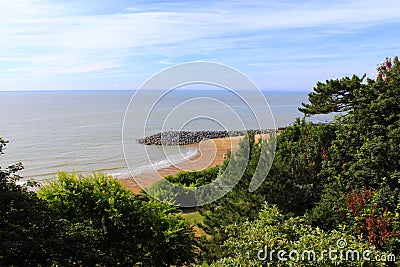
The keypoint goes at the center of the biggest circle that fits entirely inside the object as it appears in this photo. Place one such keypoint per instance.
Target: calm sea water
(82, 130)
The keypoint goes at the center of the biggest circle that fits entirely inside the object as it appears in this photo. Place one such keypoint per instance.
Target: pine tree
(332, 96)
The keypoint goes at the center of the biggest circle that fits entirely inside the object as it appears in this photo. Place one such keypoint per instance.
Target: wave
(157, 165)
(119, 171)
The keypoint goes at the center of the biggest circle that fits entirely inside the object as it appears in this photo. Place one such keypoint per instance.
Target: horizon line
(149, 90)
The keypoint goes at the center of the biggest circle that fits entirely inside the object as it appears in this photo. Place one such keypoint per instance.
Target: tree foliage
(87, 221)
(295, 181)
(252, 242)
(333, 96)
(238, 204)
(327, 181)
(368, 217)
(169, 189)
(130, 231)
(317, 166)
(28, 229)
(365, 151)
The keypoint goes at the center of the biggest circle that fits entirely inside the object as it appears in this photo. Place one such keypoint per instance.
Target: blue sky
(117, 45)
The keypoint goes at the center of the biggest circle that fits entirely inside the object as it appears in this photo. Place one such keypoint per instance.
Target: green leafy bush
(26, 223)
(130, 231)
(257, 243)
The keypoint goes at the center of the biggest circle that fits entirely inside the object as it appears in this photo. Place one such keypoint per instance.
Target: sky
(117, 45)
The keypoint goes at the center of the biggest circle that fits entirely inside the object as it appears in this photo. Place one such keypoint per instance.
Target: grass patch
(193, 218)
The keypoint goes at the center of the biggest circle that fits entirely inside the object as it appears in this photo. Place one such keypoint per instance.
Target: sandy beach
(210, 153)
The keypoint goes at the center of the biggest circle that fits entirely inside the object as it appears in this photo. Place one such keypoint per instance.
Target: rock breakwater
(173, 138)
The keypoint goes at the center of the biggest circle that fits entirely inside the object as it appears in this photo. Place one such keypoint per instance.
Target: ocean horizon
(81, 131)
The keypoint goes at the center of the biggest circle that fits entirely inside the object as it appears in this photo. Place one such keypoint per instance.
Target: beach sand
(210, 153)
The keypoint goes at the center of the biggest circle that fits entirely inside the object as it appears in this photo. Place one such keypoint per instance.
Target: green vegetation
(129, 231)
(163, 190)
(193, 218)
(341, 178)
(251, 243)
(88, 221)
(28, 230)
(328, 182)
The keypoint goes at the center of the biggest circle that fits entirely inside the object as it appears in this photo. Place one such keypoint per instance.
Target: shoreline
(209, 154)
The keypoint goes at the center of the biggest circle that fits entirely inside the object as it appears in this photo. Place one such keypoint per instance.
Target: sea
(96, 131)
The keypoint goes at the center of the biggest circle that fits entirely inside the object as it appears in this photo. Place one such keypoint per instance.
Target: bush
(273, 231)
(130, 231)
(29, 230)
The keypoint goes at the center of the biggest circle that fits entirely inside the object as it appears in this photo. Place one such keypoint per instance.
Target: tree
(333, 96)
(130, 231)
(258, 242)
(87, 221)
(28, 229)
(162, 190)
(364, 212)
(364, 154)
(316, 165)
(32, 234)
(295, 182)
(238, 204)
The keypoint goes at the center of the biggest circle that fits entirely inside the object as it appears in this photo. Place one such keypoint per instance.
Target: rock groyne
(173, 138)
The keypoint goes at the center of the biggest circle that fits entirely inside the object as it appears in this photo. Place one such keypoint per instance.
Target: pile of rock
(173, 138)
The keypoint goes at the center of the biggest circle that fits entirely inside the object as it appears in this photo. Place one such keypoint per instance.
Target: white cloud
(45, 37)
